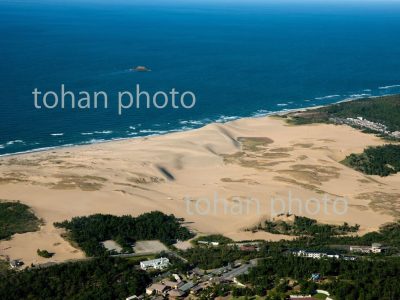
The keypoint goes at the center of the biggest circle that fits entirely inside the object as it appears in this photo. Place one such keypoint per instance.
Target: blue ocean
(240, 60)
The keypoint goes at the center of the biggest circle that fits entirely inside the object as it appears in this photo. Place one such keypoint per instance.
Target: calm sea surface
(239, 60)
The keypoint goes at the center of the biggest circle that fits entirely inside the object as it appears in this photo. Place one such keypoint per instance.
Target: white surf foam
(10, 143)
(153, 131)
(389, 87)
(104, 132)
(191, 122)
(223, 119)
(327, 97)
(359, 95)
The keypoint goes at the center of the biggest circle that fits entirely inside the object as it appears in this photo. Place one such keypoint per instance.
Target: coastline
(172, 131)
(261, 157)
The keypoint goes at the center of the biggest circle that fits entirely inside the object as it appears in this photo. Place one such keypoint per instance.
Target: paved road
(236, 272)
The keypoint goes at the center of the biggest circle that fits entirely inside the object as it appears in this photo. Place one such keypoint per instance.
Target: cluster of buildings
(326, 295)
(247, 246)
(172, 289)
(314, 254)
(374, 248)
(363, 123)
(181, 286)
(319, 255)
(244, 246)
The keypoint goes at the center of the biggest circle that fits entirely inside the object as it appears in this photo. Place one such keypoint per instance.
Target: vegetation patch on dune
(384, 110)
(275, 155)
(85, 183)
(44, 253)
(380, 116)
(254, 144)
(384, 202)
(255, 153)
(16, 217)
(213, 238)
(382, 160)
(303, 145)
(89, 232)
(305, 226)
(242, 180)
(309, 176)
(306, 186)
(282, 149)
(23, 162)
(211, 257)
(12, 178)
(145, 179)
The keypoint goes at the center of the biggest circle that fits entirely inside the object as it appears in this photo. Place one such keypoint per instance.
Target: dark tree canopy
(89, 231)
(381, 160)
(384, 110)
(16, 217)
(351, 280)
(306, 226)
(100, 278)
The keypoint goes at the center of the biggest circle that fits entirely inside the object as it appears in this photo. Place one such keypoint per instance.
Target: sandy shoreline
(112, 140)
(260, 158)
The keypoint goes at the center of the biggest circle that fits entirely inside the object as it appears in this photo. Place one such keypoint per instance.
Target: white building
(177, 277)
(314, 254)
(208, 243)
(360, 249)
(159, 263)
(310, 254)
(375, 248)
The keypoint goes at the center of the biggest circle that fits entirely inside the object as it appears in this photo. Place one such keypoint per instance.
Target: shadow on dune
(165, 172)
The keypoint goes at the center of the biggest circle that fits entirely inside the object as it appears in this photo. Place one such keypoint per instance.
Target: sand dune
(243, 164)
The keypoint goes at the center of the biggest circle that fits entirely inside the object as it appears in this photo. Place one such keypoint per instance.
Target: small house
(156, 288)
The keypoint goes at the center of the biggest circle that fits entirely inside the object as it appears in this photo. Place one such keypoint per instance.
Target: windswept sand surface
(260, 158)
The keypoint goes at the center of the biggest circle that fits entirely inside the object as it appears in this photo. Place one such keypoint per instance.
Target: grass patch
(320, 296)
(137, 259)
(85, 183)
(254, 144)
